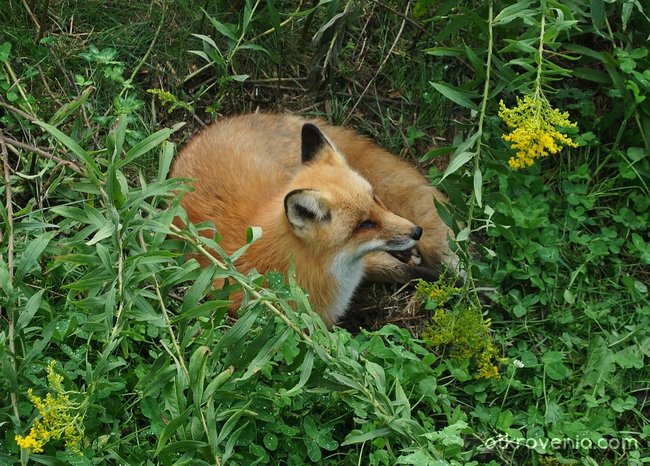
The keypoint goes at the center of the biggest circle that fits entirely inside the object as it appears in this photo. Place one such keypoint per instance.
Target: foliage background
(92, 275)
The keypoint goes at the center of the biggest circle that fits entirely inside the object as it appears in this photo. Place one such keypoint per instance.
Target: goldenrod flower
(31, 442)
(60, 418)
(534, 132)
(487, 368)
(437, 293)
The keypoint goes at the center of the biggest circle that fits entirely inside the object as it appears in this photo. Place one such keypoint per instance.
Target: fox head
(331, 207)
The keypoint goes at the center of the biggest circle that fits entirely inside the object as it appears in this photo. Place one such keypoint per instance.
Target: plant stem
(539, 94)
(10, 265)
(481, 121)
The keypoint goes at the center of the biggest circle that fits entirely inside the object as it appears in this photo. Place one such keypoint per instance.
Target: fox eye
(366, 225)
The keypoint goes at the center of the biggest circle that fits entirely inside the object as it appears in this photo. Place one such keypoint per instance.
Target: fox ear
(305, 207)
(313, 141)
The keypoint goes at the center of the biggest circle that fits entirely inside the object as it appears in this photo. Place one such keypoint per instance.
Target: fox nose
(416, 233)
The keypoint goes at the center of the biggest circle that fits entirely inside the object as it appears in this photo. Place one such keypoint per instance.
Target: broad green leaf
(444, 51)
(206, 309)
(463, 235)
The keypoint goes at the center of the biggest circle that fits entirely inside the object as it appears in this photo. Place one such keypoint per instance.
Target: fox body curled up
(325, 197)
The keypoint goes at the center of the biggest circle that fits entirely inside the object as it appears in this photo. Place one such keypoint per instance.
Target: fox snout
(404, 241)
(416, 233)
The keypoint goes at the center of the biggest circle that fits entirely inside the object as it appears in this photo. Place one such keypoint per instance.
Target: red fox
(325, 197)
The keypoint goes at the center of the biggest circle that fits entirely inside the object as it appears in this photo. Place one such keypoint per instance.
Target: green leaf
(274, 15)
(478, 187)
(265, 354)
(5, 49)
(171, 429)
(456, 162)
(68, 109)
(310, 427)
(433, 153)
(31, 254)
(455, 95)
(444, 51)
(148, 144)
(597, 14)
(252, 234)
(199, 288)
(305, 373)
(270, 441)
(463, 235)
(217, 382)
(91, 167)
(239, 330)
(25, 316)
(515, 11)
(103, 233)
(377, 373)
(196, 368)
(222, 28)
(461, 155)
(165, 160)
(207, 309)
(353, 438)
(182, 446)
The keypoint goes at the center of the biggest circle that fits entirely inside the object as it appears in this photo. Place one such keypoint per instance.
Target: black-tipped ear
(305, 206)
(313, 141)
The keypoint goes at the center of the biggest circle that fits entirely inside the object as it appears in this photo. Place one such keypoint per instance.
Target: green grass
(93, 277)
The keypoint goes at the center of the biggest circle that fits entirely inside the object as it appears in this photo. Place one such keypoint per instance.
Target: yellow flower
(30, 443)
(534, 132)
(60, 418)
(487, 368)
(437, 293)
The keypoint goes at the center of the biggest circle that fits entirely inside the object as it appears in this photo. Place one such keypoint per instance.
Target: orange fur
(248, 171)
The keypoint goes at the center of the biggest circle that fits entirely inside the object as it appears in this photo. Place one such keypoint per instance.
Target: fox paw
(410, 257)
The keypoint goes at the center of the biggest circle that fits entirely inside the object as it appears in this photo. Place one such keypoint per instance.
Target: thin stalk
(481, 121)
(10, 265)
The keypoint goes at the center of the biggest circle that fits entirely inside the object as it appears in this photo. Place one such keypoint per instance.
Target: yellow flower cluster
(60, 418)
(463, 332)
(487, 369)
(534, 132)
(437, 293)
